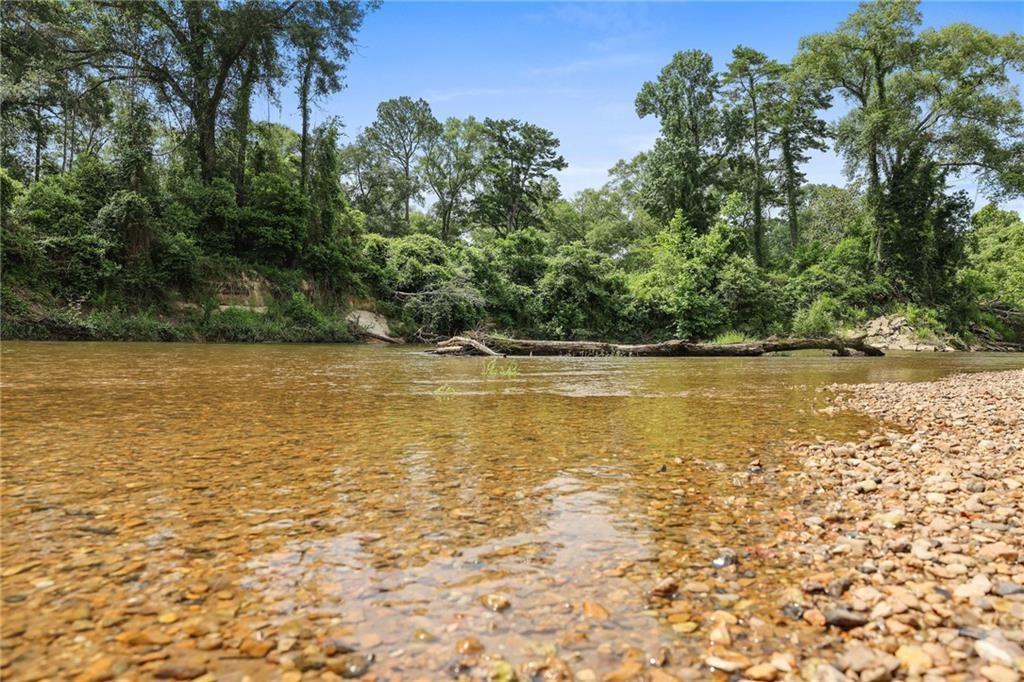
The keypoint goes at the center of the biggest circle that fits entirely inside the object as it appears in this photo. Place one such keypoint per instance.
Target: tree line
(136, 180)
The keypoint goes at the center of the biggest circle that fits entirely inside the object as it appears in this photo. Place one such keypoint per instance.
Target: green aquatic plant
(498, 368)
(731, 337)
(444, 391)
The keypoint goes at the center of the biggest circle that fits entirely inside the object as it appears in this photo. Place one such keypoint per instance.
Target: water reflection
(328, 491)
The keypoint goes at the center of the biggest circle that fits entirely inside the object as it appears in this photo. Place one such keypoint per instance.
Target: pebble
(594, 611)
(844, 619)
(727, 661)
(350, 665)
(495, 601)
(995, 649)
(172, 671)
(998, 673)
(469, 645)
(761, 671)
(914, 659)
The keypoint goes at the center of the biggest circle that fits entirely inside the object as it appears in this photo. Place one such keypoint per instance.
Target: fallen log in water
(489, 344)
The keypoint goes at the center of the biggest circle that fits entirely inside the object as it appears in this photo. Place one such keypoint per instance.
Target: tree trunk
(791, 191)
(756, 145)
(406, 167)
(64, 138)
(304, 86)
(875, 205)
(758, 223)
(206, 131)
(469, 344)
(446, 221)
(875, 179)
(243, 116)
(74, 138)
(38, 145)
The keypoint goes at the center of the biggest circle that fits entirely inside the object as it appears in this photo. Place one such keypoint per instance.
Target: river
(250, 509)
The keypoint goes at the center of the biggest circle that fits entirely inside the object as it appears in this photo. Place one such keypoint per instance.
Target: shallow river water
(253, 509)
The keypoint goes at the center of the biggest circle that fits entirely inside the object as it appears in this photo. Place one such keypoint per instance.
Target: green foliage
(298, 309)
(516, 174)
(48, 207)
(732, 336)
(580, 295)
(997, 254)
(927, 322)
(416, 263)
(272, 227)
(117, 223)
(127, 223)
(820, 318)
(451, 167)
(683, 170)
(239, 325)
(207, 212)
(118, 325)
(179, 260)
(81, 264)
(10, 189)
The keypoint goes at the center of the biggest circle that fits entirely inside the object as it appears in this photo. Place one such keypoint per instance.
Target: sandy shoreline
(918, 553)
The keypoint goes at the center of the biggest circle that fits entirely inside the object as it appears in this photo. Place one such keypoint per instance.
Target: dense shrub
(127, 223)
(819, 319)
(179, 260)
(580, 294)
(120, 325)
(272, 226)
(416, 263)
(48, 207)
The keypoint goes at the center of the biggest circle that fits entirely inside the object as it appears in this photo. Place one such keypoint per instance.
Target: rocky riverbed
(896, 555)
(917, 557)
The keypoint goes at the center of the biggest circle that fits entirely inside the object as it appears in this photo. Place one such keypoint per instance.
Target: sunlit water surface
(376, 493)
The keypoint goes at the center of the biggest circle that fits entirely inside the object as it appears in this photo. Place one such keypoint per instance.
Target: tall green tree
(860, 59)
(403, 129)
(519, 160)
(321, 35)
(189, 51)
(799, 129)
(258, 67)
(51, 97)
(451, 167)
(940, 99)
(683, 171)
(754, 86)
(374, 186)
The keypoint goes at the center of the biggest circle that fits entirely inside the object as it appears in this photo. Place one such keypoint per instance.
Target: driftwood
(489, 344)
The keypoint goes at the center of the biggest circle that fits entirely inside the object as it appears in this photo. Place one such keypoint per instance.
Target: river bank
(916, 555)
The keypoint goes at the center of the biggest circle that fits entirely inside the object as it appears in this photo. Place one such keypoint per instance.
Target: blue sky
(575, 67)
